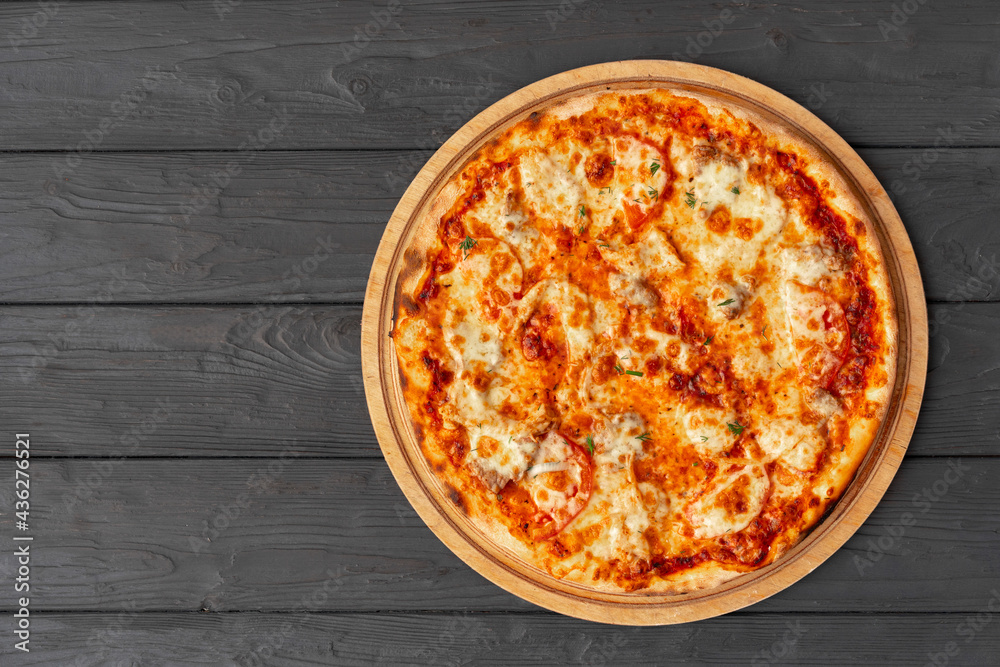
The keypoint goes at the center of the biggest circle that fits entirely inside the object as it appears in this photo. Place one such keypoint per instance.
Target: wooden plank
(238, 535)
(214, 381)
(506, 639)
(962, 399)
(244, 381)
(304, 226)
(141, 227)
(945, 199)
(224, 70)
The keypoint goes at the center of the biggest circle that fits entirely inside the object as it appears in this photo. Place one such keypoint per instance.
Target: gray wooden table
(191, 194)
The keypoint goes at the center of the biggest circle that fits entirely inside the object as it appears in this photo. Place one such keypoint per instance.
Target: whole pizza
(645, 340)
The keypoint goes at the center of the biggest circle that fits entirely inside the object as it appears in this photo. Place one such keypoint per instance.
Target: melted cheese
(551, 495)
(639, 175)
(708, 428)
(550, 190)
(809, 264)
(755, 216)
(616, 517)
(573, 308)
(788, 438)
(498, 458)
(652, 255)
(818, 330)
(730, 502)
(642, 286)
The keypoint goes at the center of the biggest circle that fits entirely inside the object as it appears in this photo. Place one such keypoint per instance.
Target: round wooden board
(390, 416)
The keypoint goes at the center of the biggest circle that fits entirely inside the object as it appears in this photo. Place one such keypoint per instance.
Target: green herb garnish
(644, 437)
(690, 199)
(735, 190)
(635, 373)
(727, 302)
(735, 428)
(583, 210)
(590, 444)
(467, 245)
(653, 168)
(708, 341)
(618, 367)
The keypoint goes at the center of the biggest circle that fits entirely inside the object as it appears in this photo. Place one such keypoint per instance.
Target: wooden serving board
(390, 417)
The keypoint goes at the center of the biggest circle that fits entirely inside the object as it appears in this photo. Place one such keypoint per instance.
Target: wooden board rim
(391, 421)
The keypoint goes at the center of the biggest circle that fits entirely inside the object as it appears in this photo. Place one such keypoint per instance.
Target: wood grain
(225, 381)
(222, 76)
(248, 381)
(500, 639)
(193, 227)
(945, 198)
(119, 229)
(110, 533)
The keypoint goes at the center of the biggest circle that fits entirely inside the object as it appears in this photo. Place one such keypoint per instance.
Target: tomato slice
(559, 482)
(635, 215)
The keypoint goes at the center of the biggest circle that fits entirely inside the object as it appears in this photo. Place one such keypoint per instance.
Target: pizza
(645, 339)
